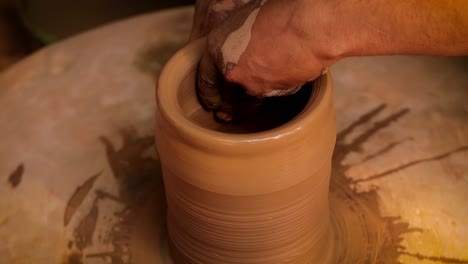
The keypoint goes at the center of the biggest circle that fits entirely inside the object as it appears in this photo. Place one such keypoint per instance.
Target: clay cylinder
(238, 196)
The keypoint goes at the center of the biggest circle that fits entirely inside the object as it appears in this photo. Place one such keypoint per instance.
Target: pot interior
(267, 114)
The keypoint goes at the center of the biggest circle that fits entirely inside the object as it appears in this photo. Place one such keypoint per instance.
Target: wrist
(324, 29)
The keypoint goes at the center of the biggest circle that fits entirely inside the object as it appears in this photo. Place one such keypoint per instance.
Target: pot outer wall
(244, 198)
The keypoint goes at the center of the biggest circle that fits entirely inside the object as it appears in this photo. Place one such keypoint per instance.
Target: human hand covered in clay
(259, 50)
(227, 100)
(272, 47)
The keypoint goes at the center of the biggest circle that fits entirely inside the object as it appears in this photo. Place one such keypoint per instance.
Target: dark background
(27, 25)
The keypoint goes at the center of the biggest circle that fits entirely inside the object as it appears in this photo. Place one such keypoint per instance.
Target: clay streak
(384, 150)
(437, 259)
(77, 198)
(84, 232)
(395, 228)
(358, 141)
(360, 121)
(413, 163)
(134, 174)
(384, 233)
(16, 176)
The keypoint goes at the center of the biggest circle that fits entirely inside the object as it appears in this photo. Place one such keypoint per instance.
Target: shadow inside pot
(250, 114)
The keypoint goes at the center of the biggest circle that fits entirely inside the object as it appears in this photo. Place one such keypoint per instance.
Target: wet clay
(237, 195)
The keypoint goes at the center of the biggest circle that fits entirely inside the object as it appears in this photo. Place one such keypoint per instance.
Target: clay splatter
(444, 260)
(135, 174)
(16, 176)
(84, 232)
(385, 149)
(138, 176)
(73, 258)
(385, 234)
(131, 169)
(77, 198)
(380, 235)
(413, 163)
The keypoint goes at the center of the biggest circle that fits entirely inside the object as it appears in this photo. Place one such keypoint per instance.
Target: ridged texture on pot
(245, 198)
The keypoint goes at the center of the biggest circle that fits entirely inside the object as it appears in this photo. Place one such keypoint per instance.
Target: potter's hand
(271, 47)
(227, 100)
(258, 45)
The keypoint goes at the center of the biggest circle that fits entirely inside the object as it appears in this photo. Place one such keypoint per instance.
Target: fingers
(229, 102)
(208, 83)
(225, 112)
(236, 104)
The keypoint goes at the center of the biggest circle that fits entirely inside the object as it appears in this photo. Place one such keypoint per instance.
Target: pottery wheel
(80, 179)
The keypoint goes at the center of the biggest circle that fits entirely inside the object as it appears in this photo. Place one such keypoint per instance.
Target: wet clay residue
(16, 176)
(77, 198)
(74, 258)
(362, 234)
(85, 230)
(135, 175)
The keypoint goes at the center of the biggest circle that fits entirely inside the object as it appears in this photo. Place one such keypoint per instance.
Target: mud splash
(136, 176)
(16, 176)
(362, 234)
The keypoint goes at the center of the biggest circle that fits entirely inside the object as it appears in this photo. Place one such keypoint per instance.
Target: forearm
(381, 27)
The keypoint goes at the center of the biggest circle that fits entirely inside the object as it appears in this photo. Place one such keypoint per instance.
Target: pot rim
(176, 70)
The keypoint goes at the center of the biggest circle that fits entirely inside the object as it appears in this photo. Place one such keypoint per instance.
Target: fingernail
(222, 116)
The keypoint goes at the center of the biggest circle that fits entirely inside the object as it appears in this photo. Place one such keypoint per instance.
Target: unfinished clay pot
(236, 195)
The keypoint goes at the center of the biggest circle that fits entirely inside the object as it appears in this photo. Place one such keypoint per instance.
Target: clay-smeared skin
(214, 93)
(233, 34)
(281, 44)
(234, 31)
(238, 40)
(271, 47)
(279, 61)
